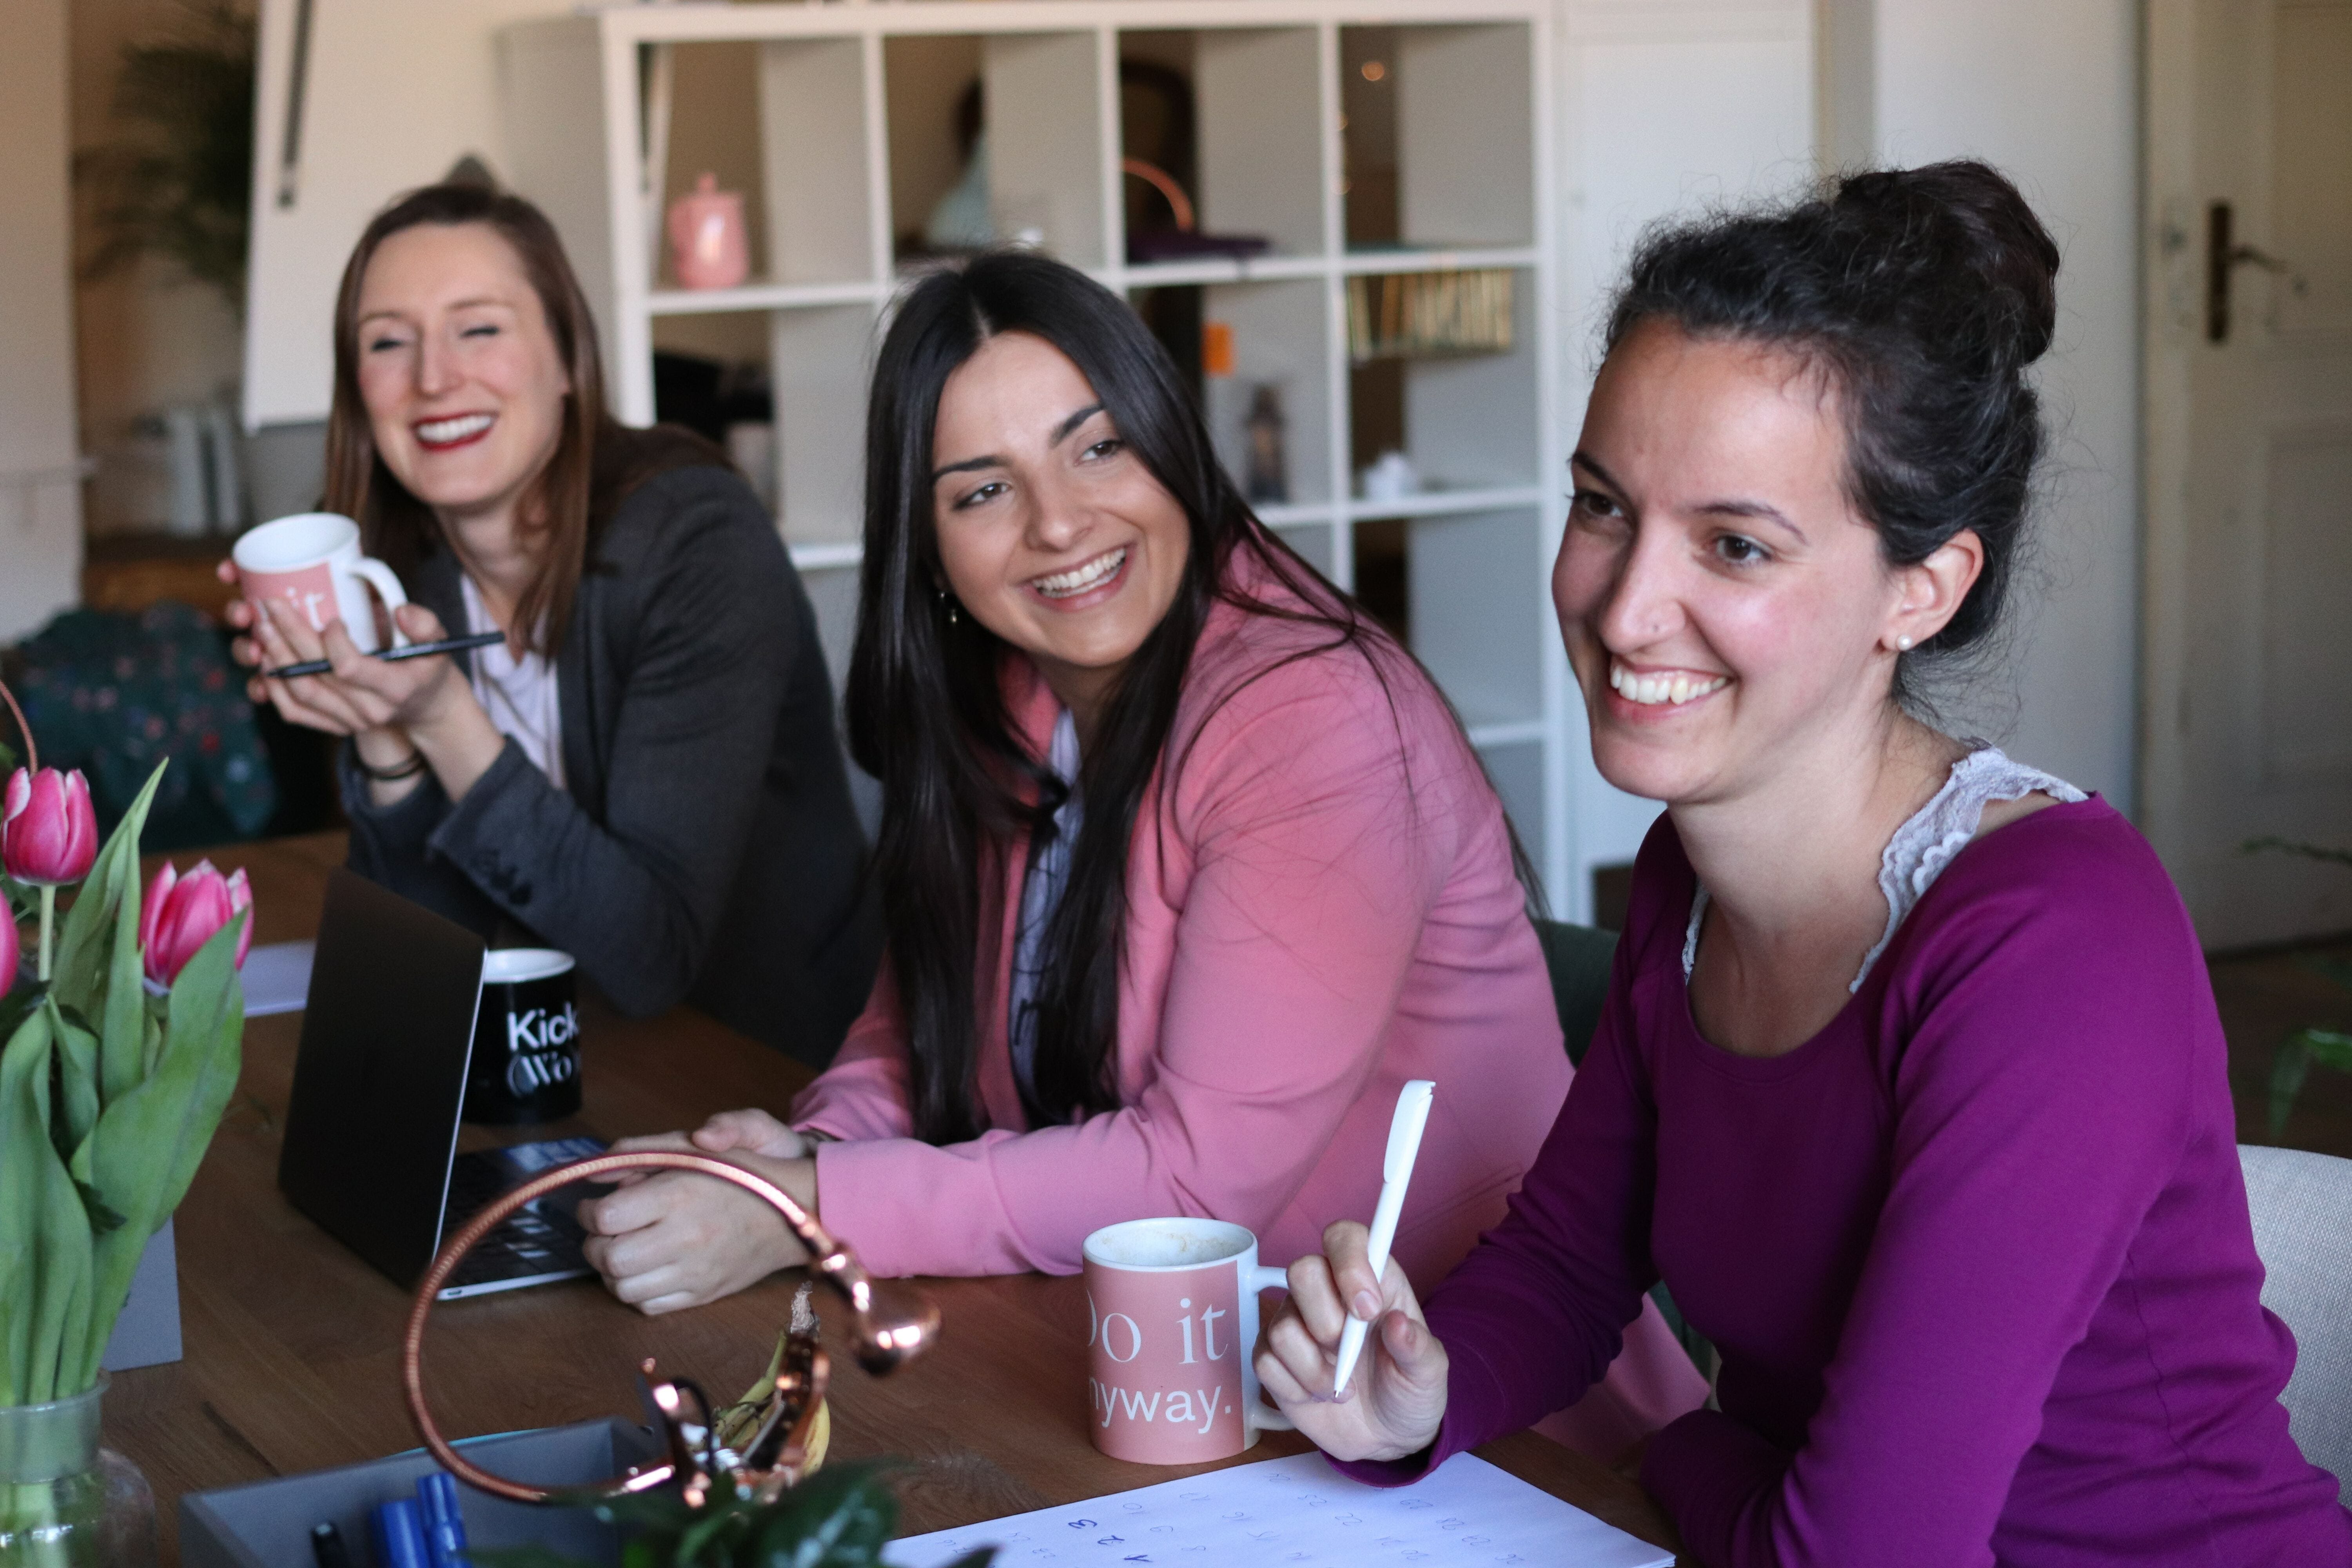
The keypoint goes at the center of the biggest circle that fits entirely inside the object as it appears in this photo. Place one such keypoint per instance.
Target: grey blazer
(706, 850)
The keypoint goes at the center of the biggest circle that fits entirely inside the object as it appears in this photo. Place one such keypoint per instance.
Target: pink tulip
(7, 947)
(181, 913)
(51, 833)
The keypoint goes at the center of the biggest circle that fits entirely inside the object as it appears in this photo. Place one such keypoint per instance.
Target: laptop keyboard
(540, 1238)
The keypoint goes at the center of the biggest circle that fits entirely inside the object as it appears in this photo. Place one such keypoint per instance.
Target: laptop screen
(380, 1081)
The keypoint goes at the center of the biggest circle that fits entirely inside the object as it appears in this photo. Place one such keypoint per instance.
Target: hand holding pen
(1389, 1399)
(393, 654)
(402, 714)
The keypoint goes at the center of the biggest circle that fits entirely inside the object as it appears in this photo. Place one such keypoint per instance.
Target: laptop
(378, 1086)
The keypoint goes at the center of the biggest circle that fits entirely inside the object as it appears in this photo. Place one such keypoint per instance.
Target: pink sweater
(1320, 907)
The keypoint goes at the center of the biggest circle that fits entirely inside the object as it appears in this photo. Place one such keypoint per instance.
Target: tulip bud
(180, 914)
(50, 836)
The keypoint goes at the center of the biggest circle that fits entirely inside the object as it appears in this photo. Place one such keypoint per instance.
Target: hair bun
(1987, 228)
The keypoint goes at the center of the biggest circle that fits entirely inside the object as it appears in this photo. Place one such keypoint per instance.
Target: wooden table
(293, 1345)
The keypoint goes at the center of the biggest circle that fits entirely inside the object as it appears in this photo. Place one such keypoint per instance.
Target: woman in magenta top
(1909, 1084)
(1186, 867)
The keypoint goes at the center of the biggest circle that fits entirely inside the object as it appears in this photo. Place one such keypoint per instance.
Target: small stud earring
(948, 600)
(1903, 645)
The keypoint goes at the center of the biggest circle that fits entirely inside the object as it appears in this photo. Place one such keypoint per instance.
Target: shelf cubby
(818, 366)
(1473, 421)
(1279, 339)
(1259, 96)
(824, 192)
(1047, 169)
(1312, 541)
(1480, 643)
(1517, 767)
(1466, 136)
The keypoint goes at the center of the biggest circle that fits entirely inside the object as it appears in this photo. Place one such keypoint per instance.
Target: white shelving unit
(1469, 99)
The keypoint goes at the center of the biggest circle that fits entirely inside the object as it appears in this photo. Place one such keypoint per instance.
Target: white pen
(1396, 1174)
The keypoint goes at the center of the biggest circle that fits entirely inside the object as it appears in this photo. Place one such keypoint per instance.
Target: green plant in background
(2291, 1064)
(838, 1518)
(180, 185)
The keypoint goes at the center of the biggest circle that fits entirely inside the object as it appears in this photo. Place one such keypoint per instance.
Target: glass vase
(65, 1502)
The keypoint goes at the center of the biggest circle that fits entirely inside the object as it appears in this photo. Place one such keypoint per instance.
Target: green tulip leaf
(49, 1253)
(98, 969)
(149, 1142)
(101, 1218)
(24, 1058)
(75, 1110)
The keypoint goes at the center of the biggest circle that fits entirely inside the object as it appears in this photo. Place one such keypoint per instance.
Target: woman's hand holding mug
(307, 599)
(1396, 1397)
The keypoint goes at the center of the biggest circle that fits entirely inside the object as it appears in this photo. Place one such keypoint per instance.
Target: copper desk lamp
(891, 1324)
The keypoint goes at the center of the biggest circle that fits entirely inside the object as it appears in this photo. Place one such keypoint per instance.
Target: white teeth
(1078, 579)
(1651, 690)
(436, 431)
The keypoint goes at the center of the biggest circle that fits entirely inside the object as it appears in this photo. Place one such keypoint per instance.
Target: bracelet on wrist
(407, 769)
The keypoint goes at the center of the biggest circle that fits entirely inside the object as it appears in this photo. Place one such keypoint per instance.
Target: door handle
(2223, 257)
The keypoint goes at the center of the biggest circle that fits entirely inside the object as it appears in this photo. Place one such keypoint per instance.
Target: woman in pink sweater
(1186, 865)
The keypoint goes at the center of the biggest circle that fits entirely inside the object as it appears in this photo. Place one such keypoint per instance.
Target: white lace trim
(1925, 844)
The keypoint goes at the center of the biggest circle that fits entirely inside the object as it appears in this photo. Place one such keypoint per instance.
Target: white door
(2246, 707)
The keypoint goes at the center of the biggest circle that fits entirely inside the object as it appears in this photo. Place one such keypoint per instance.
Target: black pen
(326, 1547)
(414, 651)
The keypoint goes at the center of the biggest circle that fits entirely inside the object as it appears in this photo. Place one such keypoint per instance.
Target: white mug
(312, 564)
(1170, 1384)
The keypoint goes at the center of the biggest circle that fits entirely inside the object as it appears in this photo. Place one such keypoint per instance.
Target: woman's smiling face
(1724, 607)
(1052, 533)
(464, 386)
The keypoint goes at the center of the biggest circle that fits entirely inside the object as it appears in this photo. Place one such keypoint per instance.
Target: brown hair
(597, 460)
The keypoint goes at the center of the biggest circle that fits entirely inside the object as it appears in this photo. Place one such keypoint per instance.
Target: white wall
(40, 487)
(2048, 91)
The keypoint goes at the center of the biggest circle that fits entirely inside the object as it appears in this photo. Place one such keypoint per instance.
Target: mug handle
(1264, 1417)
(387, 584)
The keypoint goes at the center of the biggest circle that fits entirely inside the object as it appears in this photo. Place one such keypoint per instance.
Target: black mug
(526, 1063)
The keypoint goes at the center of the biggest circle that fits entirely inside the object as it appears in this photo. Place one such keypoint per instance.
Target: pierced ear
(1934, 589)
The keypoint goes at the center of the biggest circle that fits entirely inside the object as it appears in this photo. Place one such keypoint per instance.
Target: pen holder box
(267, 1524)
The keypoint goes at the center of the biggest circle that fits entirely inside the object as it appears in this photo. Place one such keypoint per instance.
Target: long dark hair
(927, 716)
(597, 460)
(1924, 294)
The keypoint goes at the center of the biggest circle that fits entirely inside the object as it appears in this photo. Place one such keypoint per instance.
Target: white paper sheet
(1468, 1514)
(277, 978)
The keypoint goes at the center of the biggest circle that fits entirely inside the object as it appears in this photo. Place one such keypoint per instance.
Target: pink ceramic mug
(1171, 1324)
(312, 564)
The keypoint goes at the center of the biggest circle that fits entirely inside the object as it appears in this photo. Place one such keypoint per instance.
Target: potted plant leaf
(118, 1051)
(2291, 1064)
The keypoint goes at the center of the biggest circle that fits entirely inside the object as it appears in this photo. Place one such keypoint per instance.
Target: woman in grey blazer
(646, 773)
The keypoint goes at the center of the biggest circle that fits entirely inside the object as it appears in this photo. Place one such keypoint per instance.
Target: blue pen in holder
(445, 1527)
(398, 1534)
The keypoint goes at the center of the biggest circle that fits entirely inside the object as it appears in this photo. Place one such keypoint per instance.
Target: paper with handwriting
(1467, 1514)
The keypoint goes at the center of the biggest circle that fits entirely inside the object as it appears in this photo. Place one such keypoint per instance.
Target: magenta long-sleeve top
(1976, 1256)
(1321, 905)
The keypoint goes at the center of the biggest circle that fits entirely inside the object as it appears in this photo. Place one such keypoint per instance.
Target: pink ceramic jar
(708, 246)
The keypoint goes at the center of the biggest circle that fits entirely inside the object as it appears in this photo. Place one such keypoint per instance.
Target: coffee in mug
(1171, 1326)
(526, 1061)
(312, 564)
